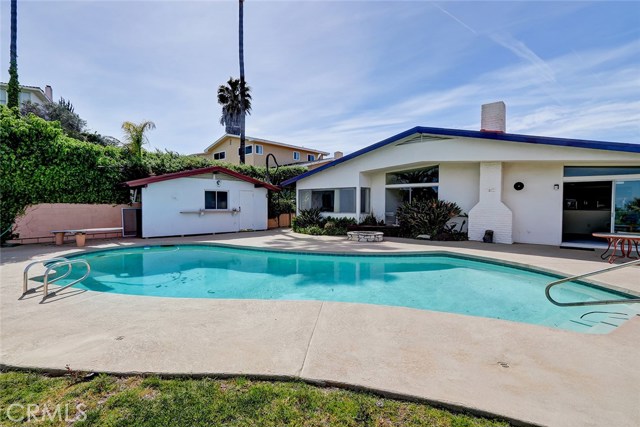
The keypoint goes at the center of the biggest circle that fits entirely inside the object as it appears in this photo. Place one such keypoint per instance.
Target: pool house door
(600, 199)
(245, 220)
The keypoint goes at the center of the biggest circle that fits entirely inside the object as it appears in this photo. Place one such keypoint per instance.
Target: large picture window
(336, 200)
(407, 186)
(216, 200)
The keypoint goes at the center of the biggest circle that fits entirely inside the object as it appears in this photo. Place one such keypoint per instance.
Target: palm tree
(242, 81)
(13, 89)
(234, 102)
(134, 135)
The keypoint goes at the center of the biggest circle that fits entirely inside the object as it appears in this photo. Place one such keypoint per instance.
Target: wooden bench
(81, 234)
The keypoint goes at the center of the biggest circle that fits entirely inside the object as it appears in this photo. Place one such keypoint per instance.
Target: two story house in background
(28, 94)
(227, 149)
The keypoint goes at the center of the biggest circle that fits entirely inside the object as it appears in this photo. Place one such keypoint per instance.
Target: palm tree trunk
(242, 85)
(13, 89)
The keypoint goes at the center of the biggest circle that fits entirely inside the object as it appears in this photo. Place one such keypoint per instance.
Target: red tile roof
(211, 169)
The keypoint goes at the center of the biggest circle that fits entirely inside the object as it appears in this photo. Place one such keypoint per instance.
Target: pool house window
(335, 200)
(259, 149)
(296, 155)
(311, 157)
(216, 200)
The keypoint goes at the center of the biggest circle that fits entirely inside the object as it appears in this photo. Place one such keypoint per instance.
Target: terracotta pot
(80, 239)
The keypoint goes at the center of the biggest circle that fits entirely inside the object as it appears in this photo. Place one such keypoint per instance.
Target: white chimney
(48, 92)
(338, 155)
(494, 117)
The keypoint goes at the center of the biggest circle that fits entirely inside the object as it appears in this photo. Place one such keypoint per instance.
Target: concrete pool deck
(523, 372)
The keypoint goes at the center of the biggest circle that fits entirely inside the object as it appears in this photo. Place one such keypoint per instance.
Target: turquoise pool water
(429, 282)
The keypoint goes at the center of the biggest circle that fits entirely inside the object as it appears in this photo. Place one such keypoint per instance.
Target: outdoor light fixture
(518, 186)
(556, 187)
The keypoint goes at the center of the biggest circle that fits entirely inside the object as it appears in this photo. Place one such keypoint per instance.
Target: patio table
(622, 240)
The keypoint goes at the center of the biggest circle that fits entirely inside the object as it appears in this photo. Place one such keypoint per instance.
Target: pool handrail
(25, 274)
(582, 276)
(46, 293)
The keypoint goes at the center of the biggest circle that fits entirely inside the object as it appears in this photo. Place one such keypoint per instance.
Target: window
(600, 170)
(296, 155)
(311, 157)
(336, 200)
(408, 185)
(414, 176)
(365, 200)
(215, 200)
(220, 156)
(248, 149)
(258, 149)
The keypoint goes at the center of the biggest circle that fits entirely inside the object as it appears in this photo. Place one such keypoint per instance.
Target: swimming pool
(439, 282)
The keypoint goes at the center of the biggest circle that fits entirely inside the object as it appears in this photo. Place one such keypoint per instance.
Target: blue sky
(337, 75)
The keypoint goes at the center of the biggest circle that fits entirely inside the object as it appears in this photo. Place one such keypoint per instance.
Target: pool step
(602, 322)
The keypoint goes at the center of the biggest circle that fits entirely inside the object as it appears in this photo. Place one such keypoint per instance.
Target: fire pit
(365, 236)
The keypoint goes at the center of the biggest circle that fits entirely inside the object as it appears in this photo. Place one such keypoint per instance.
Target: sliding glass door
(627, 206)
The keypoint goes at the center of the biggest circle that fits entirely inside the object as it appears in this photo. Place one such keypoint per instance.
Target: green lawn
(137, 401)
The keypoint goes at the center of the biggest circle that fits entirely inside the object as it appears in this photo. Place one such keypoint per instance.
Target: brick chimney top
(48, 92)
(494, 117)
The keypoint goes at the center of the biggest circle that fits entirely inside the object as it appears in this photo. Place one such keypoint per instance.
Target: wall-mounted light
(518, 186)
(556, 187)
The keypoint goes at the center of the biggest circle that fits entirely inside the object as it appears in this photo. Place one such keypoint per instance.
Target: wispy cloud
(337, 75)
(522, 51)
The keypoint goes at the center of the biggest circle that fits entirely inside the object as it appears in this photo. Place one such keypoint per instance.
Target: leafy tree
(71, 123)
(229, 96)
(61, 111)
(134, 136)
(13, 89)
(96, 138)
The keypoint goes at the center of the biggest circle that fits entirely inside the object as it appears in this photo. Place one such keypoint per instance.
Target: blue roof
(511, 137)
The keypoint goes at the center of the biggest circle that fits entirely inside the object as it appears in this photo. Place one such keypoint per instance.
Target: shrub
(426, 217)
(310, 221)
(371, 220)
(313, 230)
(307, 218)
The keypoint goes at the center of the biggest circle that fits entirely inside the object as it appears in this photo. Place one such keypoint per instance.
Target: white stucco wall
(535, 212)
(459, 183)
(537, 208)
(162, 203)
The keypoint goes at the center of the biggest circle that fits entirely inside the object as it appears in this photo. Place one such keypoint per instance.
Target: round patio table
(622, 240)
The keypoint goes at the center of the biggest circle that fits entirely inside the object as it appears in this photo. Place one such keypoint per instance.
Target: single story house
(202, 201)
(527, 189)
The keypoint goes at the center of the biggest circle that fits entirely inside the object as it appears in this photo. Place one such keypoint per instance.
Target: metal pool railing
(51, 264)
(582, 276)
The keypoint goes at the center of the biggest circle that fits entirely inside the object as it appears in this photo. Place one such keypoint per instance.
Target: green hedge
(39, 164)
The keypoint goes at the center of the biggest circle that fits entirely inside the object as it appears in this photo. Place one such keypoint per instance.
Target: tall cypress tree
(13, 90)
